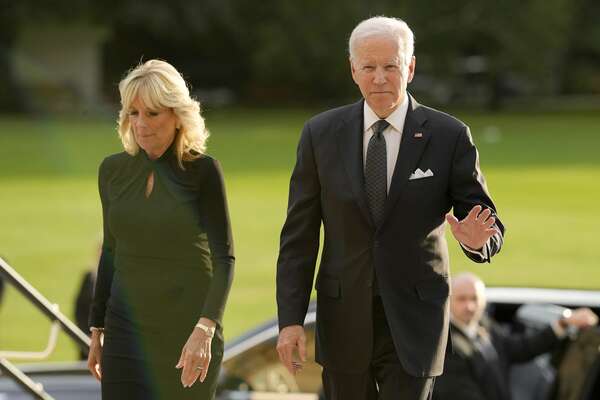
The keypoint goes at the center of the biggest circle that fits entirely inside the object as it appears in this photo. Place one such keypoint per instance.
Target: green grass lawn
(543, 171)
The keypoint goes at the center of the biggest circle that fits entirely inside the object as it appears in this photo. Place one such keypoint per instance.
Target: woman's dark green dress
(167, 260)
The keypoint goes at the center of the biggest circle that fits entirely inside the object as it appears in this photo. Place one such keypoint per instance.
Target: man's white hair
(393, 28)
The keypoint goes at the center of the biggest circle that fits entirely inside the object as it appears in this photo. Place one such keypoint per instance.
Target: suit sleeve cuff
(483, 252)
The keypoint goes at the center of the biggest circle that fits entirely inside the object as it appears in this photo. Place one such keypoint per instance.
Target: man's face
(379, 70)
(467, 302)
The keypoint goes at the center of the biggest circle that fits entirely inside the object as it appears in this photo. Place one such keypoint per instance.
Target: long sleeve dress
(167, 260)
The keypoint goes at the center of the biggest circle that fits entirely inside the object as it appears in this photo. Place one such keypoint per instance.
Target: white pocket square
(419, 174)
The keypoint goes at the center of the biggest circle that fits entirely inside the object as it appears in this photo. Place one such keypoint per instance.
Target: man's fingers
(98, 364)
(284, 348)
(491, 232)
(285, 355)
(95, 370)
(490, 221)
(452, 220)
(287, 359)
(298, 366)
(98, 371)
(302, 349)
(483, 216)
(93, 365)
(472, 215)
(281, 352)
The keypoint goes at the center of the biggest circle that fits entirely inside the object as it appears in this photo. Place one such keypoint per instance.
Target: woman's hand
(195, 356)
(95, 355)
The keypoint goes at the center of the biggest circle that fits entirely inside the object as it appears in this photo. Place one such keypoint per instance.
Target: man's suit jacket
(478, 368)
(407, 252)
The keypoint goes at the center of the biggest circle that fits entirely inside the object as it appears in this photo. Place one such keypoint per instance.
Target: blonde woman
(167, 257)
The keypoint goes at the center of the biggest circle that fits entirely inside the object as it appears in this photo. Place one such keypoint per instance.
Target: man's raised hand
(475, 229)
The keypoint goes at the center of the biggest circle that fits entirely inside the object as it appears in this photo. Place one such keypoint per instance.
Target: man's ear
(411, 69)
(353, 70)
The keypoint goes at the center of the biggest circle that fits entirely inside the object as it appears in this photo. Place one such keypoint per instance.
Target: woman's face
(153, 129)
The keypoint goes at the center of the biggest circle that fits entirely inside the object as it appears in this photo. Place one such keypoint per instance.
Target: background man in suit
(381, 175)
(478, 369)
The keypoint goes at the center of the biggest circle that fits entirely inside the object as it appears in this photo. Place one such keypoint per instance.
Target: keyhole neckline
(150, 185)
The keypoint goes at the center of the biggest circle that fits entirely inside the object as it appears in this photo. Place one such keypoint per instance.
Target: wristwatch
(210, 332)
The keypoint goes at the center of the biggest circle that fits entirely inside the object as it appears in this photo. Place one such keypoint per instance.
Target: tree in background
(503, 46)
(11, 95)
(274, 51)
(200, 38)
(580, 71)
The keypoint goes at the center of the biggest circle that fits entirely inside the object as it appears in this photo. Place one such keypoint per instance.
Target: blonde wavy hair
(159, 85)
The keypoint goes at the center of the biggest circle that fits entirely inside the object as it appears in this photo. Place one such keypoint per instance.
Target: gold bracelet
(210, 332)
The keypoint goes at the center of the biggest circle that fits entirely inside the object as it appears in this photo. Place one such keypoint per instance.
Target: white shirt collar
(396, 118)
(470, 330)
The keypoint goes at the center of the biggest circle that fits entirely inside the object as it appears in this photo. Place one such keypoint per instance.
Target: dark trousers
(385, 379)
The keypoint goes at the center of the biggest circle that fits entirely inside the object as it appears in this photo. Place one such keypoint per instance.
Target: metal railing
(58, 320)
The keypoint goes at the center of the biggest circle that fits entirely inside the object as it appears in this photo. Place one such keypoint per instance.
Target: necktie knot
(379, 127)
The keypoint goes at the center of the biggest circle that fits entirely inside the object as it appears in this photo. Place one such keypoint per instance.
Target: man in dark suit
(381, 176)
(478, 368)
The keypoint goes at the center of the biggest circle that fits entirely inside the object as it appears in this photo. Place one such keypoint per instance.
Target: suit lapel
(350, 143)
(413, 143)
